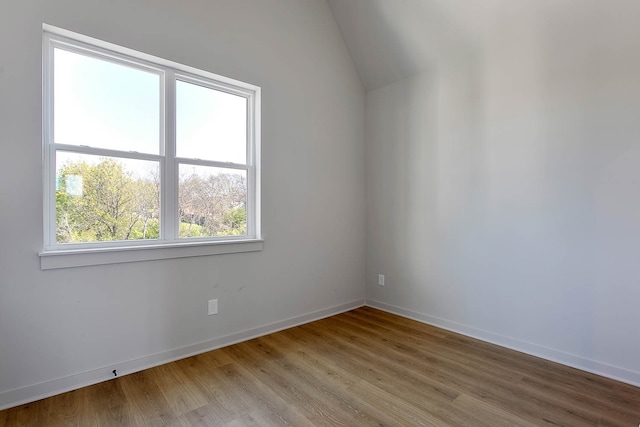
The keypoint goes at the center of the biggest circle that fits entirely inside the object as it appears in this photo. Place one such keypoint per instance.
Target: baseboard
(574, 361)
(42, 390)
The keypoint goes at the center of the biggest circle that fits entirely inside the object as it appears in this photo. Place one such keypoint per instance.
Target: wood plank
(363, 367)
(148, 405)
(465, 377)
(114, 408)
(177, 389)
(283, 382)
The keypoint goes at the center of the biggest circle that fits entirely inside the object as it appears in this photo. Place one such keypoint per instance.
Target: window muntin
(114, 120)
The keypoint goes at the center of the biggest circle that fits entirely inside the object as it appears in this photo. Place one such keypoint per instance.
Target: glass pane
(105, 105)
(106, 198)
(210, 124)
(212, 201)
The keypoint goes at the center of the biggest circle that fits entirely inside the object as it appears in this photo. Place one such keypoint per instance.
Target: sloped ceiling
(390, 40)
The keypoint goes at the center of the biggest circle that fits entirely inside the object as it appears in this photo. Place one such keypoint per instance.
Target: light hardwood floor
(363, 367)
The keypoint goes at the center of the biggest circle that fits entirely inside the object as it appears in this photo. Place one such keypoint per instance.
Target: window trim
(116, 255)
(56, 255)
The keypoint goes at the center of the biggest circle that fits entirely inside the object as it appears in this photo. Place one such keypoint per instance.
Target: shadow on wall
(425, 150)
(590, 80)
(502, 173)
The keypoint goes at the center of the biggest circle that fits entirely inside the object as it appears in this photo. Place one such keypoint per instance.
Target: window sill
(86, 257)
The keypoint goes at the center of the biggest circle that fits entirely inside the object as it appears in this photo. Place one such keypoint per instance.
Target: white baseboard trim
(19, 396)
(574, 361)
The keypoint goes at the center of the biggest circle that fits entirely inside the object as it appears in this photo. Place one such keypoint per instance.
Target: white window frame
(169, 245)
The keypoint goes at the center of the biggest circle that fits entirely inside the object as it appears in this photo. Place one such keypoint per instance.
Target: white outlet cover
(213, 306)
(381, 279)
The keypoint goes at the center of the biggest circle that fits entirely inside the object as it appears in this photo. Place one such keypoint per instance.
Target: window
(141, 152)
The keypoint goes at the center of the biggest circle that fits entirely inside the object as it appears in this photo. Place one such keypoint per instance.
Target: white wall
(503, 182)
(62, 328)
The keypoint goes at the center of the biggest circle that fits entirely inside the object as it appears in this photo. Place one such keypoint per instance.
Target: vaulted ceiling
(390, 40)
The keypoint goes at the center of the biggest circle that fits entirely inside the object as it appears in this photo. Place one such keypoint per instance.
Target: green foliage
(105, 202)
(213, 206)
(148, 230)
(235, 222)
(188, 229)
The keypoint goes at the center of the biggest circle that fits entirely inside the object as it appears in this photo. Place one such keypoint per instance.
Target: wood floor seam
(365, 367)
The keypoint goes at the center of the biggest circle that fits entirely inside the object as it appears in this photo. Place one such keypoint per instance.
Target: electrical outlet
(213, 306)
(381, 279)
